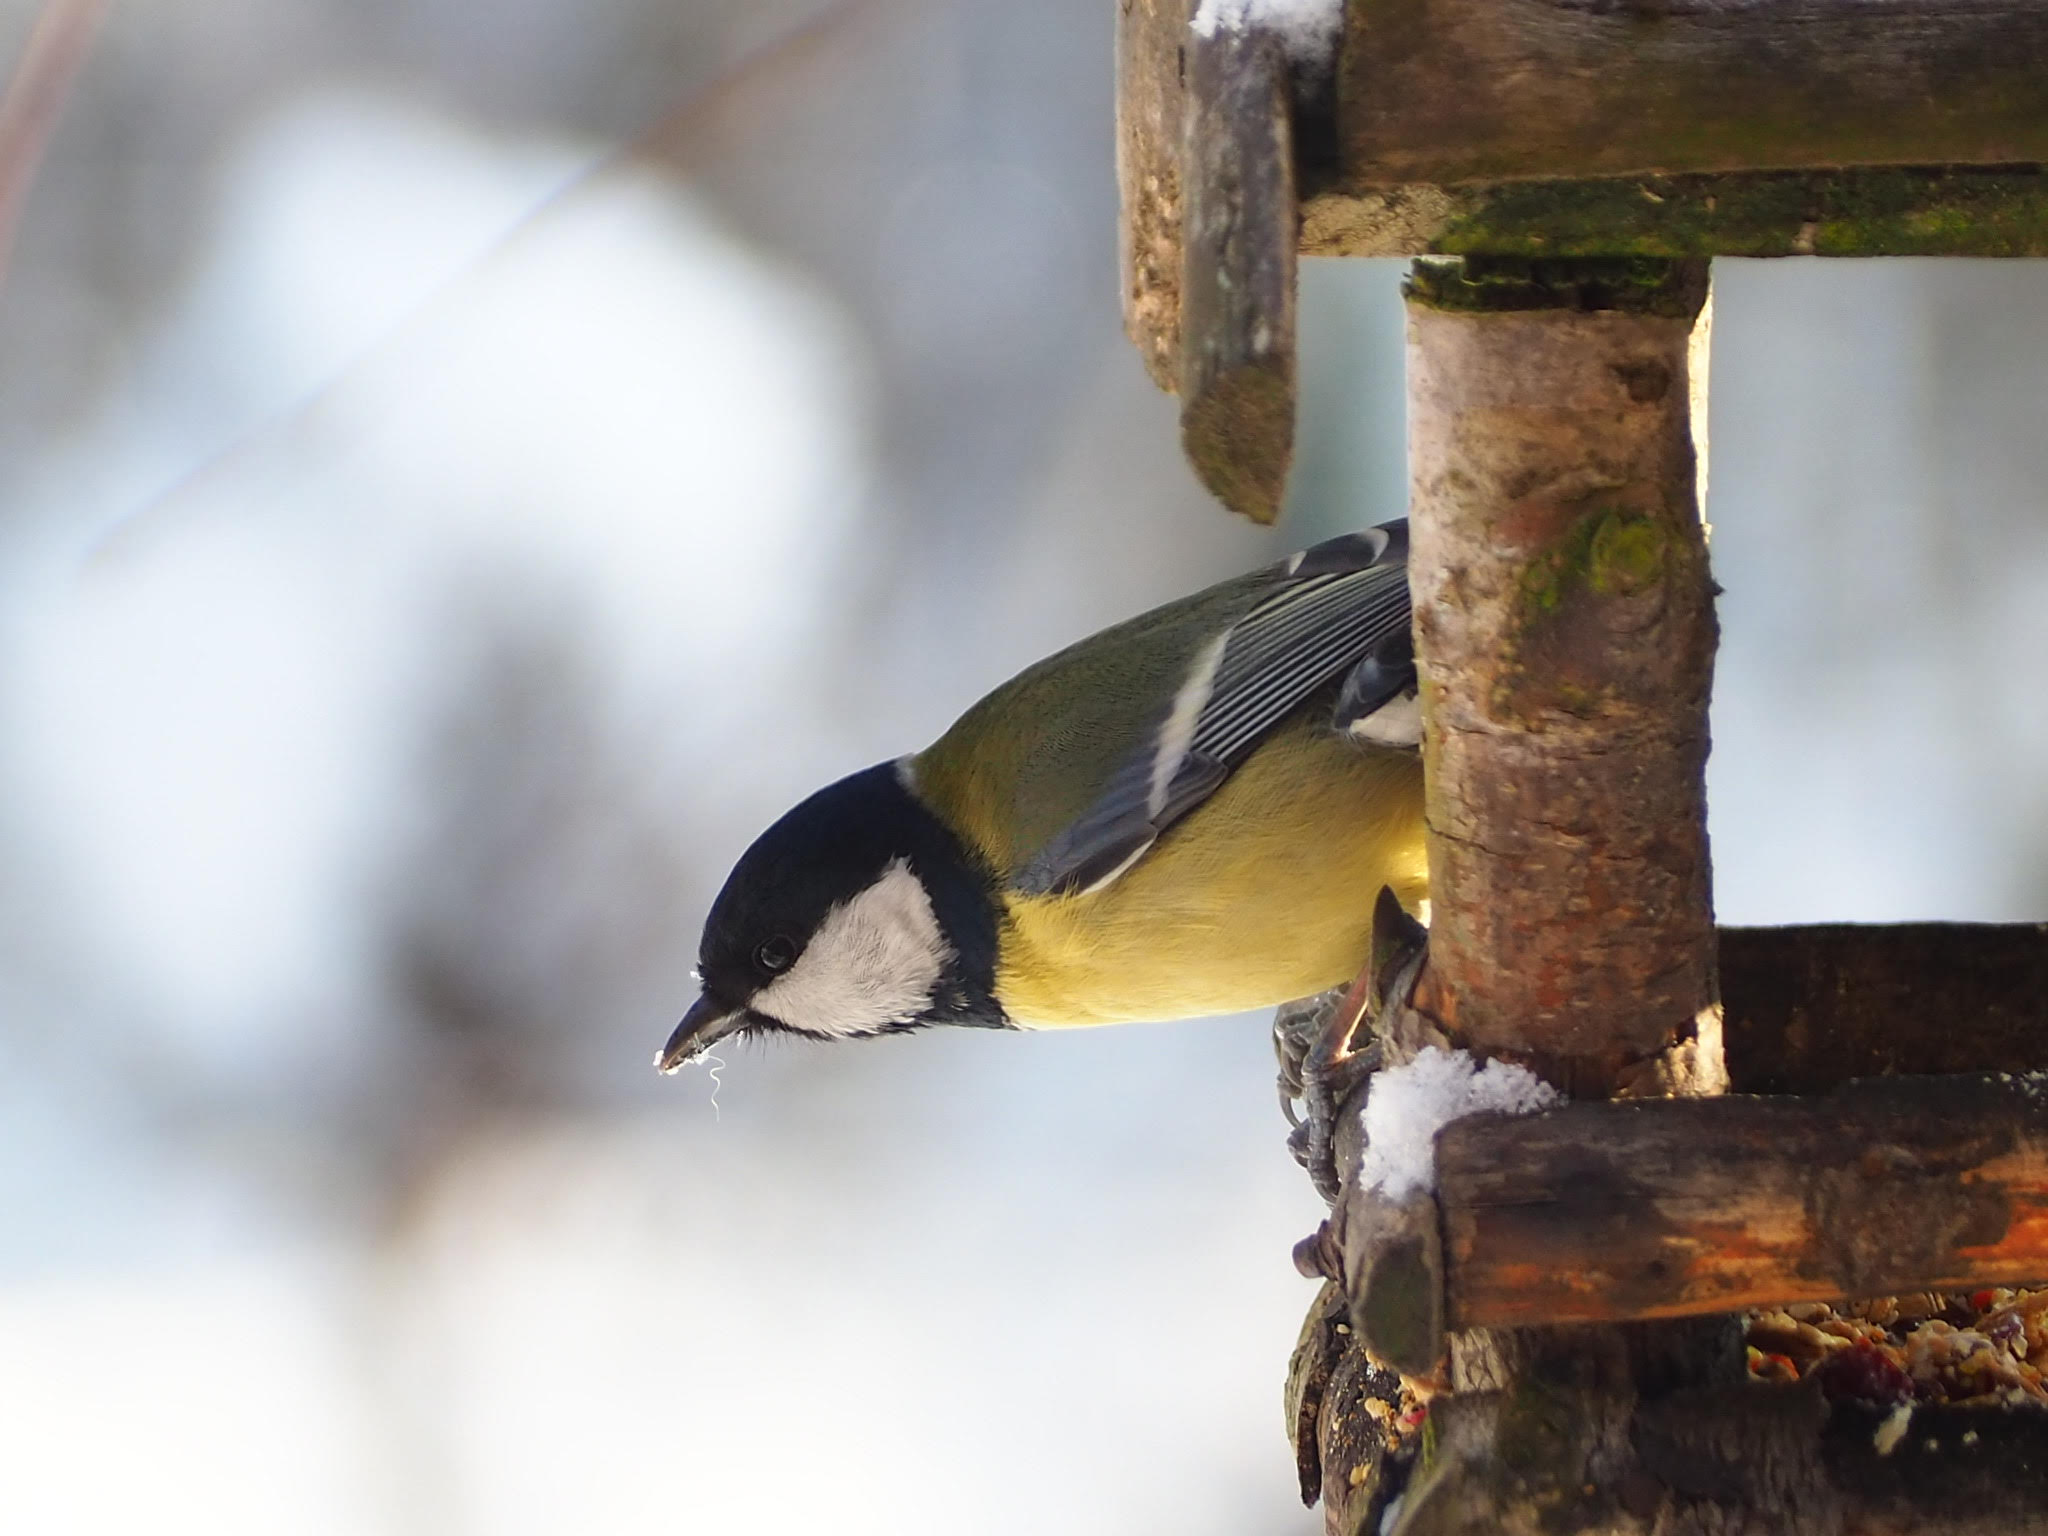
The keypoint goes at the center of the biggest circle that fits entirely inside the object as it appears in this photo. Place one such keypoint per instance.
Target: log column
(1565, 635)
(1565, 631)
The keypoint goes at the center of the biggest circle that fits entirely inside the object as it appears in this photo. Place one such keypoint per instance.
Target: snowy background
(432, 543)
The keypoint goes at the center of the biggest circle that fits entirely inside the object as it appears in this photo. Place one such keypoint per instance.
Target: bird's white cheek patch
(874, 961)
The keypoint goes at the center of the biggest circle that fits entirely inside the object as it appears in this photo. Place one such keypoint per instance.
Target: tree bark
(1606, 1212)
(1239, 233)
(1565, 635)
(1564, 640)
(1151, 69)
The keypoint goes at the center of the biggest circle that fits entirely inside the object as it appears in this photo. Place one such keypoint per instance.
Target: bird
(1188, 813)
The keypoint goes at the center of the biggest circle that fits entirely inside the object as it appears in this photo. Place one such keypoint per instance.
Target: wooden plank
(1890, 211)
(1808, 1008)
(1449, 91)
(1150, 109)
(1239, 232)
(1739, 1457)
(1606, 1212)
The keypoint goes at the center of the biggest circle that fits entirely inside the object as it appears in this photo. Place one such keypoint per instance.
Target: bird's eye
(778, 954)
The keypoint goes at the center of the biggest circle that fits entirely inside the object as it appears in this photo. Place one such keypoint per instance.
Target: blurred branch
(56, 51)
(667, 144)
(673, 138)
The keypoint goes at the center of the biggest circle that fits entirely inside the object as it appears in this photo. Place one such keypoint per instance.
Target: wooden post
(1565, 635)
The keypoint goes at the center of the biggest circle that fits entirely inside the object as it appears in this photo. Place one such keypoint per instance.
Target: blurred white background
(432, 544)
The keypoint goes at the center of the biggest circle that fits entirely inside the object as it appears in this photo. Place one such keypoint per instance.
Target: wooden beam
(1892, 211)
(1806, 1009)
(1239, 231)
(1448, 91)
(1609, 1212)
(1740, 1457)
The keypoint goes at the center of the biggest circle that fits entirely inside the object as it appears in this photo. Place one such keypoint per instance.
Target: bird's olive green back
(1069, 722)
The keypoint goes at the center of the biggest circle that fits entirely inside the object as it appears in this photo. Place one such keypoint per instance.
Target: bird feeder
(1760, 1118)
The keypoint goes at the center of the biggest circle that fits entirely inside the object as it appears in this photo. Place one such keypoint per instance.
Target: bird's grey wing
(1339, 609)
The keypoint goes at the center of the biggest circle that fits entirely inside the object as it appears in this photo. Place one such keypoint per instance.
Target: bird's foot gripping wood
(1328, 1046)
(1356, 1421)
(1321, 1062)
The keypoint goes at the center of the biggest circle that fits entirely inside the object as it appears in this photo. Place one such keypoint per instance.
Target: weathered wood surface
(1808, 1008)
(1722, 1460)
(1395, 1279)
(1239, 231)
(1565, 633)
(1341, 1408)
(1862, 212)
(1150, 121)
(1602, 1212)
(1448, 91)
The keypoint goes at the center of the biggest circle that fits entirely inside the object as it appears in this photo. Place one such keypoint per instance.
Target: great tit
(1189, 813)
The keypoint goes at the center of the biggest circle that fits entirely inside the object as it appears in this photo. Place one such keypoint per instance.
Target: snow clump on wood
(1409, 1104)
(1306, 28)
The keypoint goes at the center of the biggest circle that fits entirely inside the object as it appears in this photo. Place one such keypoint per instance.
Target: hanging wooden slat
(1150, 69)
(1238, 236)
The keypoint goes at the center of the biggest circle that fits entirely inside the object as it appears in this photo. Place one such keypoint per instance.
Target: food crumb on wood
(1307, 29)
(1985, 1347)
(1892, 1430)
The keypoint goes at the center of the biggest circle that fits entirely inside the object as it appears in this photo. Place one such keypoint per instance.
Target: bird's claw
(1321, 1065)
(1295, 1028)
(1327, 1046)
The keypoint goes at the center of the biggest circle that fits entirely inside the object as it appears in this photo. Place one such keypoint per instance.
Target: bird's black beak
(707, 1023)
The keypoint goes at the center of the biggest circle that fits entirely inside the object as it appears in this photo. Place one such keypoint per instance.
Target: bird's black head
(858, 913)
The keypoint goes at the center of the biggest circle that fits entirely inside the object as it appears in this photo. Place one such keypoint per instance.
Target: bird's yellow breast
(1262, 893)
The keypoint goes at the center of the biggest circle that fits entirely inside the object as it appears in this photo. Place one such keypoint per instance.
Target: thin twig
(670, 143)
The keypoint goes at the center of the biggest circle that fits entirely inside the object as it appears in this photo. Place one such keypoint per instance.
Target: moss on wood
(1867, 212)
(1494, 284)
